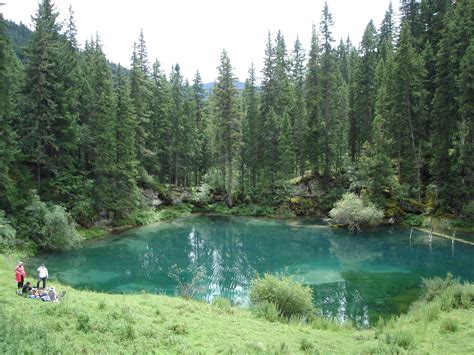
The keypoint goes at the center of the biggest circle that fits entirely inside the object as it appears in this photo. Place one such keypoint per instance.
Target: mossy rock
(302, 206)
(410, 205)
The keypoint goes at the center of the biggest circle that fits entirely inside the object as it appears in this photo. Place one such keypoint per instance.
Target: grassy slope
(93, 322)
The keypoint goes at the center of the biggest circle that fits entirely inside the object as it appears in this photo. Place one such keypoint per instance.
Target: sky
(193, 33)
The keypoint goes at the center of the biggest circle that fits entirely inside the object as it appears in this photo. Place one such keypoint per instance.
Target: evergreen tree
(126, 192)
(177, 123)
(456, 39)
(8, 139)
(201, 155)
(141, 97)
(252, 129)
(312, 93)
(386, 38)
(228, 125)
(365, 91)
(298, 118)
(101, 125)
(159, 138)
(409, 74)
(48, 130)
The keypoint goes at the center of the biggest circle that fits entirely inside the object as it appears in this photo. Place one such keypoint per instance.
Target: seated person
(26, 288)
(52, 294)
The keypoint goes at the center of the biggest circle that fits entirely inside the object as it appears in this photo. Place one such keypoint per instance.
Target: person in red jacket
(20, 275)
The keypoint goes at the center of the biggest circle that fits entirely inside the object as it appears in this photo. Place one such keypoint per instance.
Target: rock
(180, 195)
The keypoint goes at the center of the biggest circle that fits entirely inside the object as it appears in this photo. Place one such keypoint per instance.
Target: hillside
(90, 322)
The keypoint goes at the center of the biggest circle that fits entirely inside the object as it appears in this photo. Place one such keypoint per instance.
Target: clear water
(356, 277)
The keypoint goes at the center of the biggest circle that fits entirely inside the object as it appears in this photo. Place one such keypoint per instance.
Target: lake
(356, 277)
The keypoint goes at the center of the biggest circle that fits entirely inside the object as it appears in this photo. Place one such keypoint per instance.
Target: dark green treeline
(393, 117)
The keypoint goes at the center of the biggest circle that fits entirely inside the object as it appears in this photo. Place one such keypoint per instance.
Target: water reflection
(354, 277)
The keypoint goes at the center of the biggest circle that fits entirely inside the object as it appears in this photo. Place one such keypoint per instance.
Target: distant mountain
(209, 86)
(19, 37)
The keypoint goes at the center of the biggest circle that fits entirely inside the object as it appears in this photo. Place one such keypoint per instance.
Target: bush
(290, 297)
(351, 211)
(49, 225)
(435, 286)
(268, 311)
(7, 233)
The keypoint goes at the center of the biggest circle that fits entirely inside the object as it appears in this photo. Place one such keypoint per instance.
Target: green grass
(91, 322)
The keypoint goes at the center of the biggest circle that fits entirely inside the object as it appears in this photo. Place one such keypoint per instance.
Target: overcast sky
(194, 32)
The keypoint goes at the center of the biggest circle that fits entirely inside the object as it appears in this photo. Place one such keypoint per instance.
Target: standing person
(20, 274)
(42, 275)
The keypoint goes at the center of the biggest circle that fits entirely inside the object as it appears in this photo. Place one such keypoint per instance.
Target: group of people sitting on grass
(27, 290)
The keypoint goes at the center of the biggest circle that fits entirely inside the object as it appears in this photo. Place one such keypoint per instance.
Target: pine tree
(160, 127)
(298, 118)
(201, 155)
(386, 37)
(101, 126)
(141, 97)
(8, 139)
(409, 74)
(177, 123)
(252, 129)
(312, 93)
(455, 41)
(228, 124)
(365, 91)
(48, 130)
(126, 192)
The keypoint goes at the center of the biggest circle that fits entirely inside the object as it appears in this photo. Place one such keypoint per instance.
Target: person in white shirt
(42, 275)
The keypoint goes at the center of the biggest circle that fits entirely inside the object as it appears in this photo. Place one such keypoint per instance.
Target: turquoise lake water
(356, 277)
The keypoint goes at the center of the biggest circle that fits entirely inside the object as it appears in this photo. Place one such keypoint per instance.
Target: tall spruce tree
(126, 192)
(252, 129)
(365, 90)
(312, 95)
(178, 97)
(141, 97)
(8, 138)
(228, 125)
(48, 130)
(298, 117)
(160, 127)
(409, 74)
(455, 40)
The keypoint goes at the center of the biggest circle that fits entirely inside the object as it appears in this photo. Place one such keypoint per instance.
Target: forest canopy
(389, 119)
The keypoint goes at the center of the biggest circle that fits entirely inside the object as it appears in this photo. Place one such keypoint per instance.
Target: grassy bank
(93, 322)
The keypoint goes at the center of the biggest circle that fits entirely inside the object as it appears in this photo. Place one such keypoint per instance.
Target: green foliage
(267, 310)
(402, 338)
(7, 233)
(417, 220)
(352, 212)
(306, 345)
(289, 296)
(188, 281)
(449, 325)
(222, 303)
(48, 225)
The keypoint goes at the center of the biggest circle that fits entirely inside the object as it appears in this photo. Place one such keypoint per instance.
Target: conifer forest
(389, 119)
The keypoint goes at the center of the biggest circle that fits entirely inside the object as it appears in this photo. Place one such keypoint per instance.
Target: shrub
(268, 311)
(7, 233)
(306, 345)
(435, 286)
(352, 212)
(290, 297)
(49, 225)
(188, 281)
